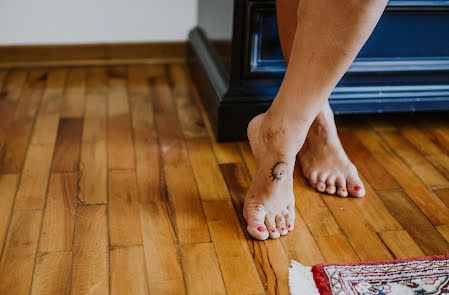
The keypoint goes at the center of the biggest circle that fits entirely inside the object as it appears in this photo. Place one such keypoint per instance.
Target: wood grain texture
(442, 194)
(162, 262)
(207, 174)
(433, 208)
(423, 169)
(68, 145)
(17, 261)
(191, 226)
(400, 244)
(201, 269)
(444, 231)
(19, 131)
(52, 273)
(336, 249)
(230, 241)
(189, 115)
(59, 217)
(90, 270)
(75, 94)
(128, 271)
(8, 187)
(33, 183)
(124, 211)
(417, 225)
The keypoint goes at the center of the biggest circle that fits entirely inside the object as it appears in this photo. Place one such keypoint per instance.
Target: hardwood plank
(366, 163)
(11, 85)
(229, 241)
(127, 271)
(431, 206)
(201, 269)
(247, 156)
(444, 231)
(415, 223)
(8, 187)
(124, 217)
(68, 145)
(138, 84)
(442, 194)
(93, 173)
(189, 115)
(120, 145)
(191, 226)
(94, 128)
(90, 267)
(17, 136)
(207, 174)
(401, 244)
(422, 168)
(430, 150)
(52, 273)
(360, 233)
(336, 249)
(173, 147)
(59, 216)
(17, 261)
(150, 180)
(33, 183)
(226, 152)
(75, 94)
(164, 274)
(46, 125)
(270, 256)
(312, 208)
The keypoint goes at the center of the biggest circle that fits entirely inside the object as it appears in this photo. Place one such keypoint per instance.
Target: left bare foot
(324, 162)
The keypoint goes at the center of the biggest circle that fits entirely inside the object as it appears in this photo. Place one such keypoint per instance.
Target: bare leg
(328, 36)
(323, 161)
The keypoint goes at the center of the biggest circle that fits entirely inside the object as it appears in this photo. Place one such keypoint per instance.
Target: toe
(271, 226)
(289, 216)
(331, 185)
(355, 186)
(280, 224)
(321, 182)
(341, 183)
(313, 179)
(256, 223)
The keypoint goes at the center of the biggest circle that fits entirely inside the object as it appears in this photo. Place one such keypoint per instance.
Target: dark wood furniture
(236, 61)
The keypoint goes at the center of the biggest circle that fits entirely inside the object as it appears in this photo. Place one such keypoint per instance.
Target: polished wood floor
(110, 182)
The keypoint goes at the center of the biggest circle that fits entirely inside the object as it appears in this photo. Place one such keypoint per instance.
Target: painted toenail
(261, 228)
(289, 226)
(357, 188)
(283, 228)
(273, 231)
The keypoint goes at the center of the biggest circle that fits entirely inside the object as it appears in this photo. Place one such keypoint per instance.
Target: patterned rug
(426, 275)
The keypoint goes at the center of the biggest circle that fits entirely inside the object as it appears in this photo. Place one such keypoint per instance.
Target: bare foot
(269, 207)
(324, 162)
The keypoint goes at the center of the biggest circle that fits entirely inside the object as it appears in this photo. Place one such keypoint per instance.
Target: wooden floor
(110, 182)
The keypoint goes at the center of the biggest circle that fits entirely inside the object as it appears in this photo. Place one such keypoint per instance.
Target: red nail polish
(283, 228)
(357, 188)
(273, 231)
(261, 228)
(289, 226)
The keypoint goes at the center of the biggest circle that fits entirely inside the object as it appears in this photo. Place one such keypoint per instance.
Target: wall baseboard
(91, 54)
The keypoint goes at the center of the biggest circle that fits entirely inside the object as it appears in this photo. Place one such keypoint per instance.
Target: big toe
(256, 226)
(355, 186)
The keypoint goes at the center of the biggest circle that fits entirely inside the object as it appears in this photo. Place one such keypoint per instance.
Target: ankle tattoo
(278, 171)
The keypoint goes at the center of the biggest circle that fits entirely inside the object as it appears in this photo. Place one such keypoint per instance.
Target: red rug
(426, 275)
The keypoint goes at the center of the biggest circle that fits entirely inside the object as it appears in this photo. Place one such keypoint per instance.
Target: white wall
(95, 21)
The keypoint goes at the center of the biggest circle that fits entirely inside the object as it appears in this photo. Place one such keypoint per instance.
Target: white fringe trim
(300, 280)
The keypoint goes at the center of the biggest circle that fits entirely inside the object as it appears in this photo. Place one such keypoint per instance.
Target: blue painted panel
(405, 39)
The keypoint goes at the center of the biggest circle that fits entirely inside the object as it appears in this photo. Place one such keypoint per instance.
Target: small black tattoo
(277, 171)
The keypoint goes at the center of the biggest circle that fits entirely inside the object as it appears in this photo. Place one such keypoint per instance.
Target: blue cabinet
(404, 66)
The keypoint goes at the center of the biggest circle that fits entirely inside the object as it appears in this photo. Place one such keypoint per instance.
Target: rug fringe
(300, 280)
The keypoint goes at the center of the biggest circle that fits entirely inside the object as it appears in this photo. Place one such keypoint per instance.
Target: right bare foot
(269, 208)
